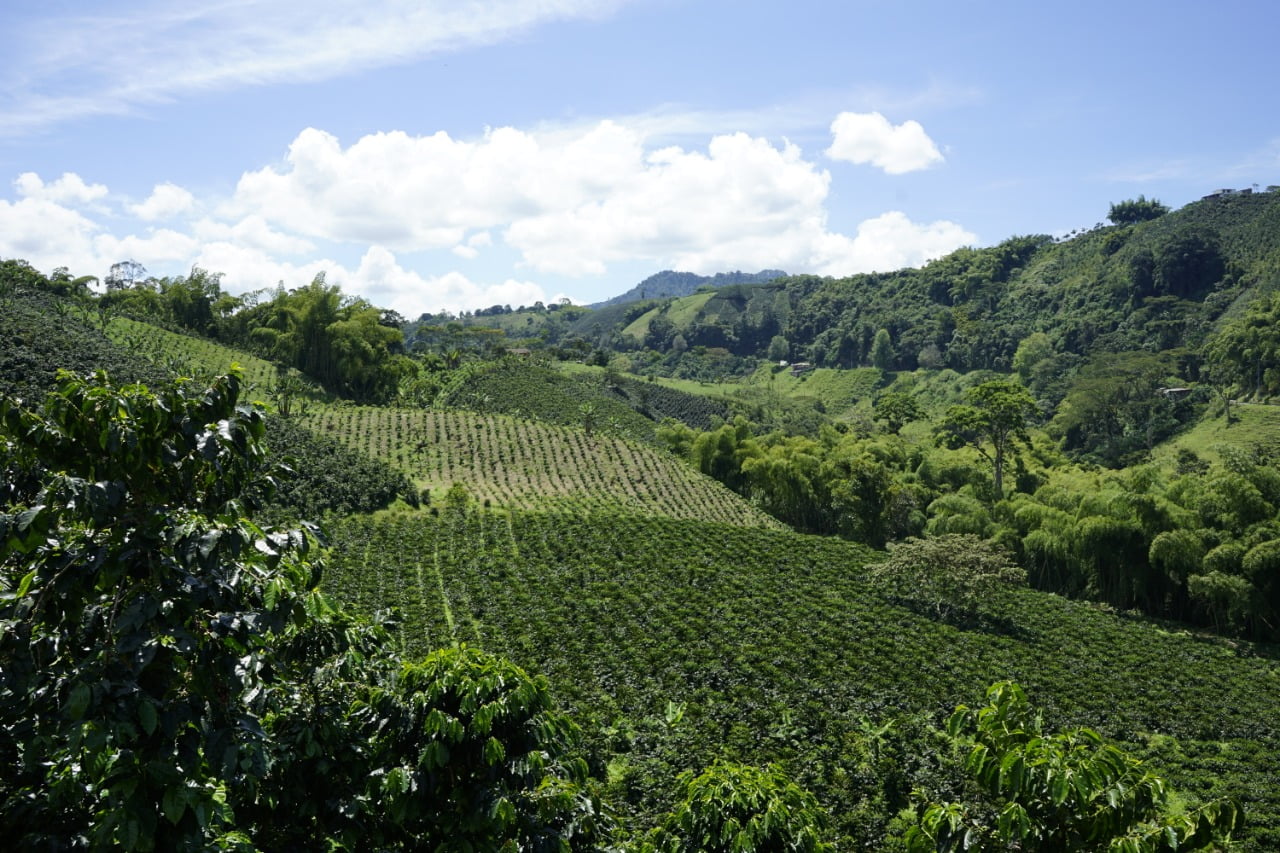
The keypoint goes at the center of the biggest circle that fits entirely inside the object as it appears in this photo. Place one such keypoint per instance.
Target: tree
(170, 677)
(1246, 350)
(897, 409)
(1136, 210)
(950, 574)
(1033, 349)
(735, 808)
(882, 351)
(1115, 408)
(993, 423)
(1188, 264)
(124, 275)
(779, 348)
(1048, 792)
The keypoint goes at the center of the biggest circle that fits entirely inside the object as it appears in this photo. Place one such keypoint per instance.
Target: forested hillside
(706, 572)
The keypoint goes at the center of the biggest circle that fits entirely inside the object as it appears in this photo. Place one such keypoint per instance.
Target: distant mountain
(670, 283)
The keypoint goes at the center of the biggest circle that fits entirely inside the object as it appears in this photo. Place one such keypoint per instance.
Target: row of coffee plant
(677, 642)
(521, 463)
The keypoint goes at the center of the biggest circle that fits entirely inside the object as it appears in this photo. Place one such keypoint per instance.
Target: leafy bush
(952, 573)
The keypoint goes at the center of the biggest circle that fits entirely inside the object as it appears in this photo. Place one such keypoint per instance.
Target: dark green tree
(993, 422)
(897, 410)
(1136, 210)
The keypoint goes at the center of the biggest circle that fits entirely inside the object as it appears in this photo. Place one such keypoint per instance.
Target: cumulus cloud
(166, 201)
(888, 242)
(163, 246)
(253, 232)
(47, 235)
(476, 242)
(68, 189)
(870, 138)
(574, 201)
(379, 277)
(569, 202)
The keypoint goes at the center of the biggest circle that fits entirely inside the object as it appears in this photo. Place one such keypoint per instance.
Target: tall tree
(993, 422)
(882, 351)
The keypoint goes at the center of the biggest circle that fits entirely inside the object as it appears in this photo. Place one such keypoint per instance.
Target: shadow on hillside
(1240, 647)
(968, 620)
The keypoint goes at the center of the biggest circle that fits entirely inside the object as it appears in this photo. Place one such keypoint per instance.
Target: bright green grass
(839, 391)
(639, 327)
(684, 311)
(1254, 426)
(689, 386)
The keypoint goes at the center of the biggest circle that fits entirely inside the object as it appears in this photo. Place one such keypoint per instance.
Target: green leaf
(174, 803)
(24, 585)
(147, 716)
(78, 702)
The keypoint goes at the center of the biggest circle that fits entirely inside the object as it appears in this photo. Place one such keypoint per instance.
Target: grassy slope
(1254, 427)
(838, 391)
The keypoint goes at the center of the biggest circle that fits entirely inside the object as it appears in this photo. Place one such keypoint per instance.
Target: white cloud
(141, 52)
(870, 138)
(382, 280)
(47, 235)
(379, 278)
(68, 189)
(573, 201)
(888, 242)
(476, 242)
(741, 202)
(166, 201)
(564, 202)
(157, 248)
(253, 232)
(569, 202)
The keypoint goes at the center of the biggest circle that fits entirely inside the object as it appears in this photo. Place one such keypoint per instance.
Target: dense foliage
(680, 642)
(171, 679)
(1070, 790)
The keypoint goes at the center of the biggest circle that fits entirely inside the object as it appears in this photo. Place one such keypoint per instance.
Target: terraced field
(525, 464)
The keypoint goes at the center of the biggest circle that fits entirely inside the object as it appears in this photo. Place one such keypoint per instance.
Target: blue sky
(455, 155)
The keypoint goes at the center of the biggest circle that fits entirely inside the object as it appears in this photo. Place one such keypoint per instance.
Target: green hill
(668, 283)
(1158, 284)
